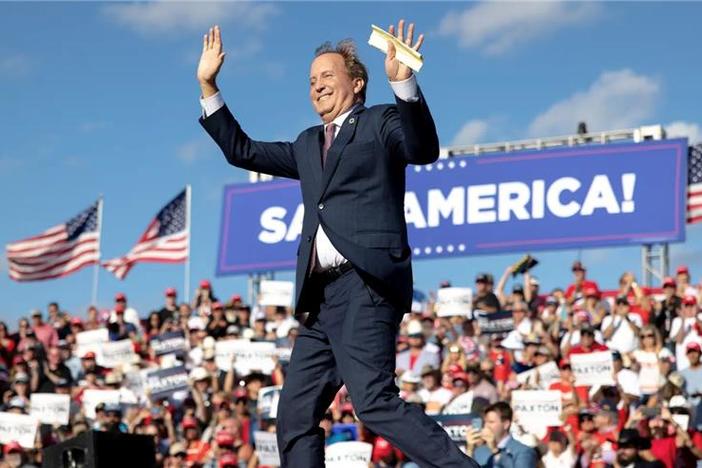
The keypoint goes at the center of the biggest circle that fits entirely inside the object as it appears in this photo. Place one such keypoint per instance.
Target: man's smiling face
(332, 90)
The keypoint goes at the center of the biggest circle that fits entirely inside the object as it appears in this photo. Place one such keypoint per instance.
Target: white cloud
(172, 16)
(681, 129)
(193, 151)
(495, 27)
(472, 132)
(617, 99)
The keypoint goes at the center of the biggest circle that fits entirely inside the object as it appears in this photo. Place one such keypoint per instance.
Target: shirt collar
(339, 120)
(503, 442)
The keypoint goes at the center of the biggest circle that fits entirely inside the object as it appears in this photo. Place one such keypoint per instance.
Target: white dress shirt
(327, 255)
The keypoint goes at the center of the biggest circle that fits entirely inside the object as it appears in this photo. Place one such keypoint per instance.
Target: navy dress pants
(351, 340)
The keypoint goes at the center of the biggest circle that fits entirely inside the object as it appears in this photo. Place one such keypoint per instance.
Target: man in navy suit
(354, 274)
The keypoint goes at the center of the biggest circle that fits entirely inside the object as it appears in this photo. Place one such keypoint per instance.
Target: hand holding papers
(401, 54)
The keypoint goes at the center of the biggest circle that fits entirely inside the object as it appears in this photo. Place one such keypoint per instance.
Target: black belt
(327, 276)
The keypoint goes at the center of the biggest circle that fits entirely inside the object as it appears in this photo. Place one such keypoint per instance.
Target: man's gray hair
(355, 68)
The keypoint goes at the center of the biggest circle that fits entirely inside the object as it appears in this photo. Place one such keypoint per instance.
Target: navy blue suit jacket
(358, 197)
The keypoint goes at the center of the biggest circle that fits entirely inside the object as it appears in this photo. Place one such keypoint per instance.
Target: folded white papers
(404, 53)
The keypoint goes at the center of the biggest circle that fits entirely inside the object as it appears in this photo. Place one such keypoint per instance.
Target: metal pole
(186, 280)
(96, 271)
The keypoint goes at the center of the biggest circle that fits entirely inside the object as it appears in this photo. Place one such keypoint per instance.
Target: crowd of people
(648, 418)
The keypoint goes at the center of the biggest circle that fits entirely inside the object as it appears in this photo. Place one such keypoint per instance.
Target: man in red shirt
(587, 342)
(575, 291)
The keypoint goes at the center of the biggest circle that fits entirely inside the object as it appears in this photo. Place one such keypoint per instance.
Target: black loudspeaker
(95, 449)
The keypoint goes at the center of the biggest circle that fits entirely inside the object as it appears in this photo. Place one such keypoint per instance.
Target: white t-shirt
(566, 459)
(441, 395)
(649, 372)
(623, 339)
(690, 336)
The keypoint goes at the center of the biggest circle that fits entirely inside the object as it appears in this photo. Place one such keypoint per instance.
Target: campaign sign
(592, 369)
(21, 428)
(541, 376)
(454, 301)
(267, 448)
(351, 454)
(170, 342)
(570, 197)
(93, 397)
(493, 323)
(537, 406)
(456, 425)
(116, 353)
(162, 383)
(50, 408)
(462, 404)
(267, 404)
(246, 356)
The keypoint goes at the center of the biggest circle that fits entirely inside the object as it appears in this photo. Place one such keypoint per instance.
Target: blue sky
(101, 98)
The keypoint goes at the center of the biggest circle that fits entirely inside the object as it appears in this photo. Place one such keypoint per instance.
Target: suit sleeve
(408, 131)
(525, 457)
(274, 158)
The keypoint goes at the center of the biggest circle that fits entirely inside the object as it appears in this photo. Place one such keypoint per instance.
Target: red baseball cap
(689, 300)
(235, 298)
(224, 439)
(682, 269)
(205, 284)
(189, 423)
(577, 266)
(228, 460)
(76, 321)
(461, 376)
(120, 307)
(668, 281)
(694, 346)
(591, 291)
(120, 297)
(563, 363)
(88, 355)
(171, 292)
(217, 305)
(10, 447)
(381, 449)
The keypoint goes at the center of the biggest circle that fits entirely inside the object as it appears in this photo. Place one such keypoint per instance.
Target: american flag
(58, 251)
(694, 184)
(166, 239)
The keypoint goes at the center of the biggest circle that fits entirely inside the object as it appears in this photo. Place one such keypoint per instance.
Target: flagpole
(96, 271)
(186, 280)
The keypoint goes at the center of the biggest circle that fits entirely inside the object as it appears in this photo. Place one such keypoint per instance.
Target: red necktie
(328, 140)
(329, 134)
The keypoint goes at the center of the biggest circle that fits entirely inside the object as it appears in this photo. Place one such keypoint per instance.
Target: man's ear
(358, 84)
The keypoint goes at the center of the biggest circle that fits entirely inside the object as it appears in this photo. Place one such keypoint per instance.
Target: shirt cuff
(211, 104)
(405, 89)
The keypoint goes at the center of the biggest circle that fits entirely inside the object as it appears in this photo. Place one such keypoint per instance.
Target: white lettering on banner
(445, 207)
(487, 203)
(413, 211)
(275, 228)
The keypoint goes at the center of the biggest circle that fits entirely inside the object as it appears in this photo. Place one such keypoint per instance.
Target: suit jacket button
(309, 238)
(320, 206)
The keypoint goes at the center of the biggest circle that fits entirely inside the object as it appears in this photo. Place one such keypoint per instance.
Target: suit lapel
(346, 133)
(315, 163)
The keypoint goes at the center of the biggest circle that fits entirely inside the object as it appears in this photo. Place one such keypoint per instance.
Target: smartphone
(477, 424)
(651, 412)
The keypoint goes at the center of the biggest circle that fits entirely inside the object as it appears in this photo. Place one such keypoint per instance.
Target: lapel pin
(351, 120)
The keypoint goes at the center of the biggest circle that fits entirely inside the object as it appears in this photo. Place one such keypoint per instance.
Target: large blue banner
(577, 197)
